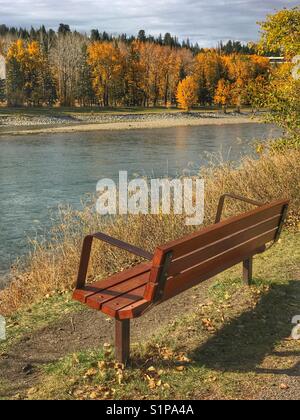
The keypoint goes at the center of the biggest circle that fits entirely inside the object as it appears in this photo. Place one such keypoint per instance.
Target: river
(39, 172)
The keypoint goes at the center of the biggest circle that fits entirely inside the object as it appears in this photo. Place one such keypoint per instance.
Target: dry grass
(52, 265)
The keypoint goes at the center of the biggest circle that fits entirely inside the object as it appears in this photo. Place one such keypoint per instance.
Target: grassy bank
(231, 345)
(52, 265)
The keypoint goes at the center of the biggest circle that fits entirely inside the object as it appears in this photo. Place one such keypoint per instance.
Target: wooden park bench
(178, 265)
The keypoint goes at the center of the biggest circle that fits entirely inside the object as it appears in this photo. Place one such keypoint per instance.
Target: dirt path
(20, 367)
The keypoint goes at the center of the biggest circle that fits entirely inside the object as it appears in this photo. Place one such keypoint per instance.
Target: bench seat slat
(90, 289)
(228, 242)
(97, 300)
(115, 305)
(220, 230)
(133, 310)
(210, 268)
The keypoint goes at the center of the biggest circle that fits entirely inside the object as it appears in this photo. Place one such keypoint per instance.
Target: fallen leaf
(119, 366)
(102, 365)
(91, 372)
(31, 391)
(94, 395)
(75, 359)
(107, 345)
(152, 384)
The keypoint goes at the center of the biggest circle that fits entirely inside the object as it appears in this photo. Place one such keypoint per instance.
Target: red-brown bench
(178, 265)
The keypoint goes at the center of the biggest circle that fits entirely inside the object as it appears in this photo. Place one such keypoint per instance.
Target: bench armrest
(235, 197)
(86, 253)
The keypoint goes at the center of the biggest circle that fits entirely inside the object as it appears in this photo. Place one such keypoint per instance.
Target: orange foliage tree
(187, 93)
(223, 94)
(105, 60)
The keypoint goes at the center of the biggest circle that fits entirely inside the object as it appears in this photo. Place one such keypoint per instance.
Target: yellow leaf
(107, 346)
(94, 395)
(102, 365)
(152, 384)
(75, 358)
(90, 373)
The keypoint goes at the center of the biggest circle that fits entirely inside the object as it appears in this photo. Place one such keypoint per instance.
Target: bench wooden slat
(97, 300)
(133, 310)
(113, 306)
(210, 268)
(215, 248)
(82, 294)
(213, 233)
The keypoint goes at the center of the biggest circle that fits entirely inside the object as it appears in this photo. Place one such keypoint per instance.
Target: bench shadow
(244, 343)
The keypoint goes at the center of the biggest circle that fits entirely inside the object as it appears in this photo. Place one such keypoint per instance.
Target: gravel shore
(27, 124)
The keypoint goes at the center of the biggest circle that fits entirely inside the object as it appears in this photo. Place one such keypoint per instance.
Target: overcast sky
(205, 21)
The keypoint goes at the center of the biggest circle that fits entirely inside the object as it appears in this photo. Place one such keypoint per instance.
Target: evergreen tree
(142, 35)
(63, 29)
(14, 83)
(2, 90)
(85, 92)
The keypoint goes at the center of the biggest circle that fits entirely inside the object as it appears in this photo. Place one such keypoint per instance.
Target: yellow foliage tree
(27, 67)
(187, 93)
(281, 31)
(223, 94)
(105, 60)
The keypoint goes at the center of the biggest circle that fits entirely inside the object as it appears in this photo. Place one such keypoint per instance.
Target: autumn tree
(106, 63)
(256, 92)
(282, 31)
(132, 71)
(65, 60)
(15, 78)
(209, 68)
(29, 80)
(187, 93)
(223, 94)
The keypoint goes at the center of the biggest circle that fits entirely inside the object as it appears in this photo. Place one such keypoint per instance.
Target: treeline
(67, 68)
(46, 37)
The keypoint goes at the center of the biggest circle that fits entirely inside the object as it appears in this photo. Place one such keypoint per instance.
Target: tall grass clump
(52, 264)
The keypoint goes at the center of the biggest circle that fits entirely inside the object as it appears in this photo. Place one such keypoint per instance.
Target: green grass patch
(37, 316)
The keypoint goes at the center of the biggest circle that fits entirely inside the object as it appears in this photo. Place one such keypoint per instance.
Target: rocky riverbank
(29, 124)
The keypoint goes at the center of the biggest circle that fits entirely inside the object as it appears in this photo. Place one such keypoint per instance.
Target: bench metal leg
(247, 270)
(122, 340)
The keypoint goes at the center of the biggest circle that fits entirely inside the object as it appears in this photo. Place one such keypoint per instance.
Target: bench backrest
(182, 264)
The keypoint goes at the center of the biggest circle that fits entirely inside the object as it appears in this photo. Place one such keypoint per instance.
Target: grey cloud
(201, 20)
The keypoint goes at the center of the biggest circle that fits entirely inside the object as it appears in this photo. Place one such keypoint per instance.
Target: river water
(37, 173)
